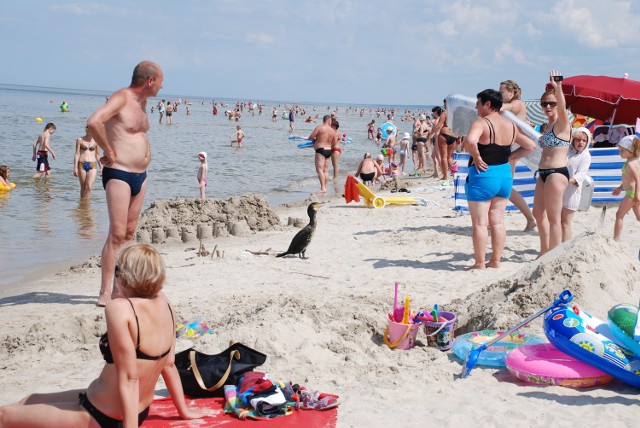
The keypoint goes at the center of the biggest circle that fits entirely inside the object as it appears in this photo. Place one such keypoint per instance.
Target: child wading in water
(238, 136)
(629, 147)
(202, 174)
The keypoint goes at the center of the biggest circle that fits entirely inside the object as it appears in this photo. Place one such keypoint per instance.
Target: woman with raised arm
(553, 174)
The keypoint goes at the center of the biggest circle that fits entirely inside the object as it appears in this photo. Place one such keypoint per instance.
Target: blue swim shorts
(496, 181)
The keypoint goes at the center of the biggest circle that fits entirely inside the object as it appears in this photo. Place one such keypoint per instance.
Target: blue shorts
(496, 181)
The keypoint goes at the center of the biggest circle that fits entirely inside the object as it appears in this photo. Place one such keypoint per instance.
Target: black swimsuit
(449, 139)
(103, 420)
(324, 152)
(135, 180)
(492, 153)
(106, 350)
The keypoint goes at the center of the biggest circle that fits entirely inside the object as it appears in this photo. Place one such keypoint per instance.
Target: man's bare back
(323, 136)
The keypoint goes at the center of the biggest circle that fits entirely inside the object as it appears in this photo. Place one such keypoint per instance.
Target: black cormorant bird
(301, 241)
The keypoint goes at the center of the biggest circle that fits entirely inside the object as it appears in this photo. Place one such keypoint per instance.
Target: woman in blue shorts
(489, 181)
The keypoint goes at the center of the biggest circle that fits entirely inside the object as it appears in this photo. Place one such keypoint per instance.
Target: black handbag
(205, 375)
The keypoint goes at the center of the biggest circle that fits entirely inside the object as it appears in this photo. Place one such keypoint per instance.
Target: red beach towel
(164, 414)
(351, 189)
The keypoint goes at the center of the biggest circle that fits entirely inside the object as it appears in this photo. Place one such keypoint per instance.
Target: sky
(332, 51)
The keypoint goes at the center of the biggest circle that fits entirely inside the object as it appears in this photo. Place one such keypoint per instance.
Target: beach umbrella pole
(472, 357)
(613, 118)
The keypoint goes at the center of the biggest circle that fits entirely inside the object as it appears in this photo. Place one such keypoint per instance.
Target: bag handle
(442, 325)
(397, 342)
(196, 373)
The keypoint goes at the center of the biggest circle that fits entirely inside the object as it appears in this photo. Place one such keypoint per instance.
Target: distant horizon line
(165, 96)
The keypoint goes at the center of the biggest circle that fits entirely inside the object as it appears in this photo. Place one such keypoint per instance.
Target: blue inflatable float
(590, 340)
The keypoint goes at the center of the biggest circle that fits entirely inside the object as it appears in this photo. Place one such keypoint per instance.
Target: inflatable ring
(588, 339)
(622, 322)
(544, 364)
(388, 125)
(495, 354)
(4, 188)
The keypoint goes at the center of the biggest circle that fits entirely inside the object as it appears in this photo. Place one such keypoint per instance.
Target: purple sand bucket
(400, 336)
(440, 334)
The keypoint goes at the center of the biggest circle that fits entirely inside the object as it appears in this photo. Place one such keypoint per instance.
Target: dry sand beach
(320, 321)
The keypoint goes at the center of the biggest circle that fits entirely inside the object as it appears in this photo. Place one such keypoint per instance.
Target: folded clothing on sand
(257, 391)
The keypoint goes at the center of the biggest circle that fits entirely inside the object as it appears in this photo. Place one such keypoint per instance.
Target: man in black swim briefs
(323, 137)
(324, 152)
(120, 128)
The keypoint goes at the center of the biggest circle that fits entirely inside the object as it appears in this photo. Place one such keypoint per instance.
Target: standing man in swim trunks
(168, 119)
(120, 128)
(323, 137)
(41, 149)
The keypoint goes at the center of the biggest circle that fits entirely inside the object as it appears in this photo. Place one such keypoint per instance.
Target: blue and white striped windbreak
(604, 170)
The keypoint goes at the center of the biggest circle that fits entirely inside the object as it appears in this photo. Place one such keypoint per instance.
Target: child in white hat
(629, 147)
(202, 174)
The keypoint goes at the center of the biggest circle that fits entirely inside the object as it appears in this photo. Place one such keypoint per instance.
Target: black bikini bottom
(544, 173)
(107, 421)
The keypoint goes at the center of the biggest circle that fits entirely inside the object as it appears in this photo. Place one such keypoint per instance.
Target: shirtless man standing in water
(323, 137)
(120, 128)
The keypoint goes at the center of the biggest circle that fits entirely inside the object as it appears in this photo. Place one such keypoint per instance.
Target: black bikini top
(106, 350)
(85, 147)
(492, 153)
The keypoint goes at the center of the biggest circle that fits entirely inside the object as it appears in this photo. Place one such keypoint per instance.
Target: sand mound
(592, 266)
(313, 333)
(174, 213)
(92, 264)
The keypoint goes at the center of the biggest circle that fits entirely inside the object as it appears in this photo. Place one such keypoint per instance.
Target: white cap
(626, 142)
(202, 155)
(380, 157)
(422, 117)
(406, 136)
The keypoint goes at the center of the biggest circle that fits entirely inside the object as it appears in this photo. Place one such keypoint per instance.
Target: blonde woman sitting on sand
(138, 347)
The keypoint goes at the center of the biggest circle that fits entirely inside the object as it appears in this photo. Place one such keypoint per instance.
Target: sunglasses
(548, 104)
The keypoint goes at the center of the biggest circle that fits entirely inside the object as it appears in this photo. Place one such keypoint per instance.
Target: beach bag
(205, 375)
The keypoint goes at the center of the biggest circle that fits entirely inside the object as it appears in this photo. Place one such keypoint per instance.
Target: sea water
(44, 223)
